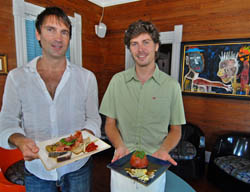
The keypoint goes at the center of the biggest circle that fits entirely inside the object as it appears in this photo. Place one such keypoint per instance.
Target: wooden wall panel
(7, 40)
(92, 56)
(217, 115)
(202, 20)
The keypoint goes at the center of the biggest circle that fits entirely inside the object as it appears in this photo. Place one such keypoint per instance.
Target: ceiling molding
(107, 3)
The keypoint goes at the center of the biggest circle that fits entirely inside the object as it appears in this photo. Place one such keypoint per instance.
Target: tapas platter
(51, 161)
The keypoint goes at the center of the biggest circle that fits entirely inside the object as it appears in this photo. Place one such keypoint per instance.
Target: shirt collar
(31, 66)
(131, 74)
(156, 76)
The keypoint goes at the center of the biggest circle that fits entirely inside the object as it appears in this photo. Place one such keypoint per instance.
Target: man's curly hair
(140, 27)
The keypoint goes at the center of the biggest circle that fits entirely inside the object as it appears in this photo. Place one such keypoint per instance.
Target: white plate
(51, 163)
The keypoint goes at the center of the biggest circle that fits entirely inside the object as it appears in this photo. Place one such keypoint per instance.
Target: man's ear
(38, 36)
(156, 47)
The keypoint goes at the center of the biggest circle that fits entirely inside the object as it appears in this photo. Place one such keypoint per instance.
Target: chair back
(9, 157)
(190, 153)
(193, 134)
(235, 143)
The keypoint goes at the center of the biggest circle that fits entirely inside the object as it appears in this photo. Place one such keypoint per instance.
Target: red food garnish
(78, 136)
(91, 147)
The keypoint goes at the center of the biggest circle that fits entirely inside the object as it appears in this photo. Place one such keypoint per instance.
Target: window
(170, 37)
(33, 47)
(164, 58)
(27, 47)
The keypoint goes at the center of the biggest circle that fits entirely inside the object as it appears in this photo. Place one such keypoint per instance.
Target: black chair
(229, 165)
(190, 153)
(103, 134)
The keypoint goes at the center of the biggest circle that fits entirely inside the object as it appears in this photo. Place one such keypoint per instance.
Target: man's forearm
(113, 133)
(172, 138)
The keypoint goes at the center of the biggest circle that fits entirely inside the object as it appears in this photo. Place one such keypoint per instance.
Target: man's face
(196, 61)
(143, 49)
(227, 70)
(54, 37)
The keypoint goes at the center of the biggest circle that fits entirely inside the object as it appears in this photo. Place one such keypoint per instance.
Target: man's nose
(58, 36)
(140, 47)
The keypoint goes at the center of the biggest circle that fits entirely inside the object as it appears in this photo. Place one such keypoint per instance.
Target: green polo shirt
(143, 112)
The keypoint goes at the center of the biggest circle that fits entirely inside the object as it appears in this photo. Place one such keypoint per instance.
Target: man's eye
(65, 33)
(50, 29)
(146, 42)
(133, 44)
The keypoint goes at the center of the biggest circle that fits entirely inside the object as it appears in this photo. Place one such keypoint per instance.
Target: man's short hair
(140, 27)
(56, 11)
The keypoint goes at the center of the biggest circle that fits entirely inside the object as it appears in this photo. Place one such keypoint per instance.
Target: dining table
(175, 183)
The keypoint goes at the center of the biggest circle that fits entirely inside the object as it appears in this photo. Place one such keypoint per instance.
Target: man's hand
(164, 155)
(115, 138)
(120, 152)
(168, 144)
(89, 131)
(26, 145)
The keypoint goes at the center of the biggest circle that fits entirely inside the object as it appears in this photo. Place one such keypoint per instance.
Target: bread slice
(64, 157)
(85, 144)
(56, 153)
(81, 147)
(77, 150)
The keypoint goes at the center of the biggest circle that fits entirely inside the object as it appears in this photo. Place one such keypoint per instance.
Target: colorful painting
(216, 67)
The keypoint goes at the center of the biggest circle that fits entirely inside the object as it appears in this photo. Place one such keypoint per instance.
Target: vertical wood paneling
(91, 46)
(202, 20)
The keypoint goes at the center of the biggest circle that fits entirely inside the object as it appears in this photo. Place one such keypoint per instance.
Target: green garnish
(140, 154)
(68, 143)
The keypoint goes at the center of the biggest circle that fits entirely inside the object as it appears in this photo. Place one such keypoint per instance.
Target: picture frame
(216, 68)
(3, 64)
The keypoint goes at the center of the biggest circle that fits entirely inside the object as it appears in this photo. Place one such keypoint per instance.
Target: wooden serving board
(51, 163)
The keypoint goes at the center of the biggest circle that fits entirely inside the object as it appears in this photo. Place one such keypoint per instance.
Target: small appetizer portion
(139, 160)
(142, 174)
(65, 144)
(64, 157)
(63, 149)
(91, 147)
(139, 164)
(56, 153)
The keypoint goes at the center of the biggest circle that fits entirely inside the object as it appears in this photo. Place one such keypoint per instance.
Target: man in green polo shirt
(140, 104)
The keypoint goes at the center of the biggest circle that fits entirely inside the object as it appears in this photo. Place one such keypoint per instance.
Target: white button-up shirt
(29, 109)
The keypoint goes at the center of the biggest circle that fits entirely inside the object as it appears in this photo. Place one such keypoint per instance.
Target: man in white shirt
(47, 98)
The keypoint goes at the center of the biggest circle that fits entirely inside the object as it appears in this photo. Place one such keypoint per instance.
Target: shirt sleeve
(93, 119)
(107, 107)
(10, 116)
